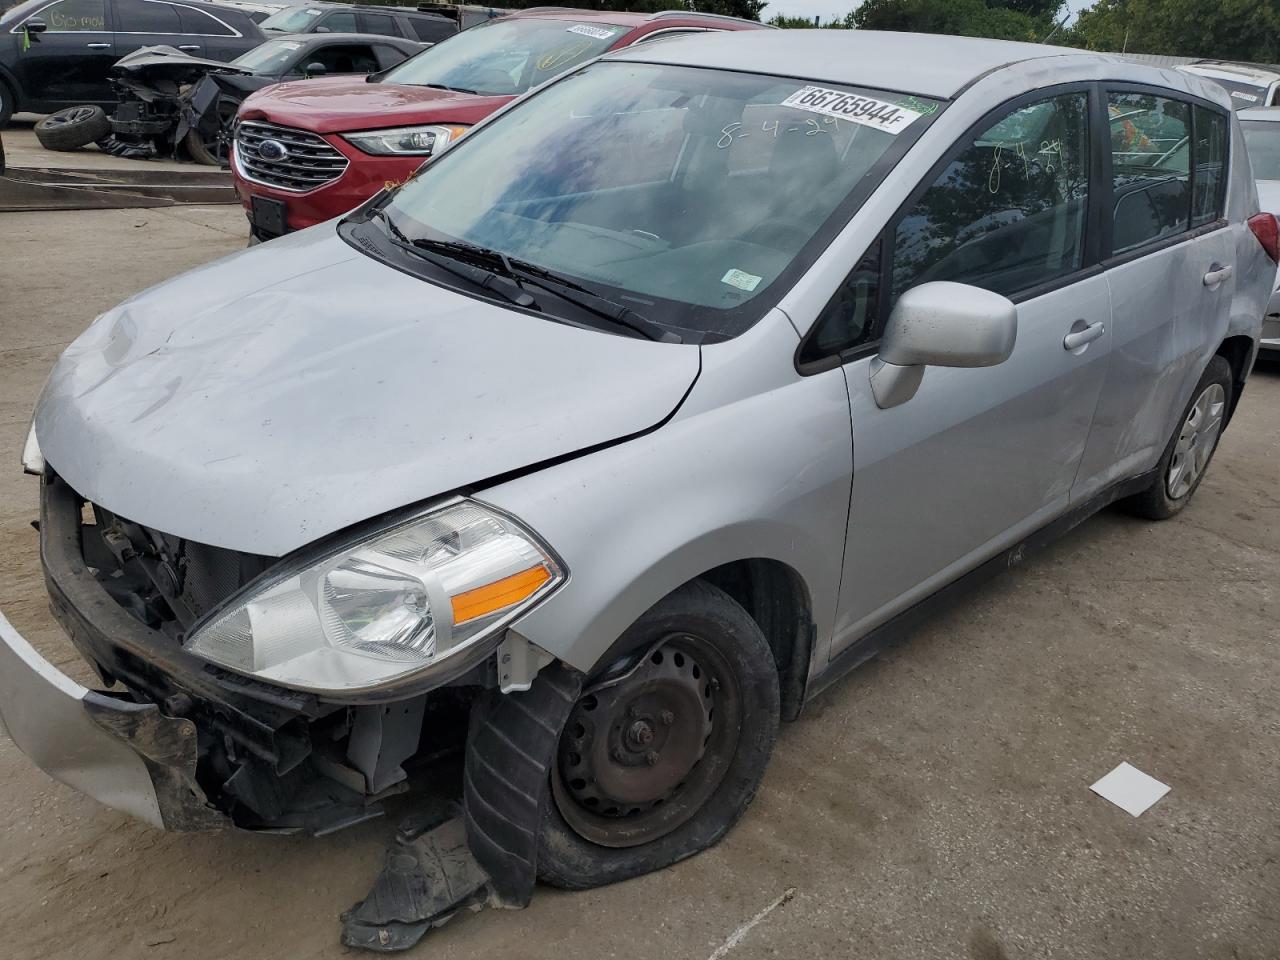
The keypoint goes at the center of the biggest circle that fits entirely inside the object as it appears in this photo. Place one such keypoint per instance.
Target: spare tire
(73, 128)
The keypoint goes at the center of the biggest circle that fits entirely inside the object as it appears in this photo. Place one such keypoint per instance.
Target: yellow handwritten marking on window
(562, 56)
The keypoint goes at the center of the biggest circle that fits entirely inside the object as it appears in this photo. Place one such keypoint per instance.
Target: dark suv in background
(406, 22)
(58, 53)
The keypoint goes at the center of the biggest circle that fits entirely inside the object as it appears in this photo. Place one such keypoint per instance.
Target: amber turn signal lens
(498, 595)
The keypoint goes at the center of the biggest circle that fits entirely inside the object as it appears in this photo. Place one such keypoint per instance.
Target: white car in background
(1262, 141)
(1249, 85)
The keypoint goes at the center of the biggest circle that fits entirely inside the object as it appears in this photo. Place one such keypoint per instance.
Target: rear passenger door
(978, 458)
(1170, 270)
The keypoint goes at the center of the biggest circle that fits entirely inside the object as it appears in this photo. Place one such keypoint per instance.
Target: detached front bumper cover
(128, 755)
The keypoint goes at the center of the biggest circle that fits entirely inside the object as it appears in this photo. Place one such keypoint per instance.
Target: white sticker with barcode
(853, 107)
(1247, 97)
(600, 33)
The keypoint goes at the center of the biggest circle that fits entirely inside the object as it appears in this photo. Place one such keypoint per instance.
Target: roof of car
(367, 7)
(929, 64)
(1260, 113)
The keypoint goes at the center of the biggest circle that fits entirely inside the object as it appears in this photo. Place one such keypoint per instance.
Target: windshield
(291, 19)
(507, 57)
(269, 58)
(681, 192)
(1262, 141)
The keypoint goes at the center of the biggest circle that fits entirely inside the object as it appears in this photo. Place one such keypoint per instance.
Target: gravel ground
(933, 804)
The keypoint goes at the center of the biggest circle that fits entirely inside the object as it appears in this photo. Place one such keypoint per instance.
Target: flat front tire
(662, 753)
(1191, 448)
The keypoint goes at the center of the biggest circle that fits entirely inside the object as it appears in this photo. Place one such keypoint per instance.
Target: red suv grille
(286, 158)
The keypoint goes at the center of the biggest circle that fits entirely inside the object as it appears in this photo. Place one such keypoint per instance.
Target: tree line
(1247, 30)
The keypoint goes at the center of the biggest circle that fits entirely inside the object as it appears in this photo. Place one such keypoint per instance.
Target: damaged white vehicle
(667, 395)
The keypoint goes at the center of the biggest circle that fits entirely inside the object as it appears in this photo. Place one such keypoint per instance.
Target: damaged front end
(171, 102)
(222, 747)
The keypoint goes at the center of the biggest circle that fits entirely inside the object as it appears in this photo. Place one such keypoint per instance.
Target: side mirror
(33, 26)
(940, 324)
(314, 70)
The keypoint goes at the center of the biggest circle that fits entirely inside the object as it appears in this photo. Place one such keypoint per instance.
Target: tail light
(1265, 229)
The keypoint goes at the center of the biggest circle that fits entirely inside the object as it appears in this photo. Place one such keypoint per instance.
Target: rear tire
(663, 753)
(73, 128)
(1191, 448)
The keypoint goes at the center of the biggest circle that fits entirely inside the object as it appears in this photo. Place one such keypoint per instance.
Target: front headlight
(406, 141)
(379, 610)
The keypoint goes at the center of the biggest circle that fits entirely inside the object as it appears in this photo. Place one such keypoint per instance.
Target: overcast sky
(830, 10)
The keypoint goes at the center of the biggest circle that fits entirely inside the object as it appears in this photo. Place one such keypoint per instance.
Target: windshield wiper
(592, 302)
(522, 271)
(506, 287)
(441, 86)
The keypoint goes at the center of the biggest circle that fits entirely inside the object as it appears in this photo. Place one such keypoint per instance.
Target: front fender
(756, 464)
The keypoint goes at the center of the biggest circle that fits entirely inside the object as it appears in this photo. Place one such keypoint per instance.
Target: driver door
(70, 62)
(977, 458)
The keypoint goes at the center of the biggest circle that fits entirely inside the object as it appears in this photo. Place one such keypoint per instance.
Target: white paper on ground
(1130, 789)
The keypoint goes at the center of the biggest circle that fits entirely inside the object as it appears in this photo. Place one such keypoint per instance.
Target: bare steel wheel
(644, 748)
(663, 750)
(1196, 440)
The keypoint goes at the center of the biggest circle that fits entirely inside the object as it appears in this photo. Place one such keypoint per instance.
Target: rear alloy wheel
(1187, 455)
(663, 753)
(73, 128)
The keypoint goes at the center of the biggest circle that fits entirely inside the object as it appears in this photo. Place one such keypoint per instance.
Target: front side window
(294, 20)
(269, 59)
(683, 193)
(1008, 211)
(507, 57)
(339, 23)
(1262, 141)
(379, 23)
(1150, 167)
(73, 16)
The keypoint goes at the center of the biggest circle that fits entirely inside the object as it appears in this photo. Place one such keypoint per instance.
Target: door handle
(1081, 336)
(188, 47)
(98, 46)
(1217, 275)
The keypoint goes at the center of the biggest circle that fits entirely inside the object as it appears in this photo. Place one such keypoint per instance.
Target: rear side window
(1210, 181)
(198, 23)
(146, 16)
(1150, 167)
(1008, 211)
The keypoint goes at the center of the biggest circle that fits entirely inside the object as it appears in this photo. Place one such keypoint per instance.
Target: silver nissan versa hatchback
(672, 392)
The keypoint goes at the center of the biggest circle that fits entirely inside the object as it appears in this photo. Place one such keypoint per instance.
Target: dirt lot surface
(934, 804)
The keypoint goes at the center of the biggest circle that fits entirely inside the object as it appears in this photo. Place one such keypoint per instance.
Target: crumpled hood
(340, 104)
(284, 393)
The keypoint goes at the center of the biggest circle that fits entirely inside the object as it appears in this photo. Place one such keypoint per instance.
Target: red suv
(312, 150)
